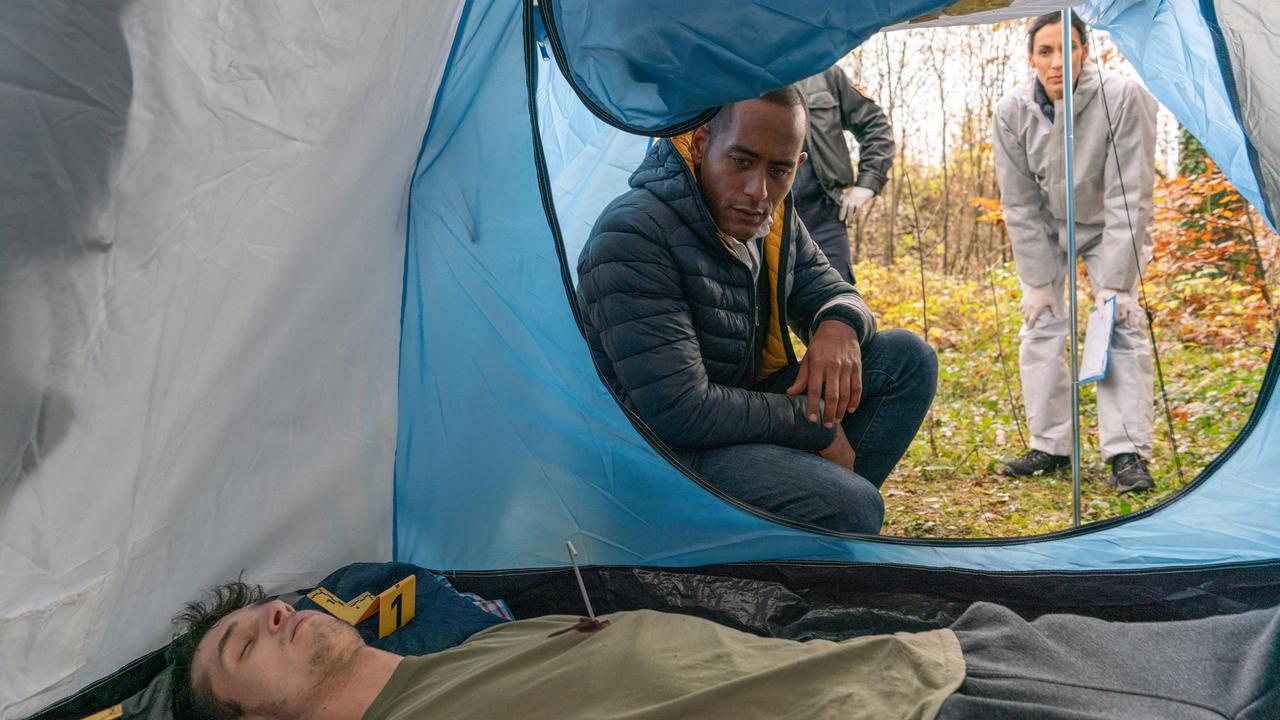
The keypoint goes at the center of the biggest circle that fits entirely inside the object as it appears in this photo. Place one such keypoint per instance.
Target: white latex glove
(1128, 311)
(1035, 299)
(852, 199)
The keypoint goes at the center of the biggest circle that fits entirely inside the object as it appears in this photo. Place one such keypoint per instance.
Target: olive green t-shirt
(647, 665)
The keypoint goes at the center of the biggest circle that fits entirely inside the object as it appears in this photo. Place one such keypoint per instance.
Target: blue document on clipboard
(1097, 342)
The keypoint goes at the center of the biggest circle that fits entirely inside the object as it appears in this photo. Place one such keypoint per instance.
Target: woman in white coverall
(1114, 145)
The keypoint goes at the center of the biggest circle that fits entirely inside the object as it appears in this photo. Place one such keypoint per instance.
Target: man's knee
(851, 503)
(864, 513)
(910, 352)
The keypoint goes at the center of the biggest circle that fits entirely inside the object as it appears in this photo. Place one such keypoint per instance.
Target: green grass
(949, 485)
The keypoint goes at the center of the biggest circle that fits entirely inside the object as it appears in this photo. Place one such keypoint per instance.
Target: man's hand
(851, 200)
(1036, 299)
(839, 451)
(831, 371)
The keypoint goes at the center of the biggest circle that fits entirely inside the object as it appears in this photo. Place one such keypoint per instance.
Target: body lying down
(245, 656)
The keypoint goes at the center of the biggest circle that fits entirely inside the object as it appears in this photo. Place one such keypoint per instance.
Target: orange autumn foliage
(1213, 267)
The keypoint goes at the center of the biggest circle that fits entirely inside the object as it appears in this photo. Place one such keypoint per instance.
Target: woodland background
(932, 256)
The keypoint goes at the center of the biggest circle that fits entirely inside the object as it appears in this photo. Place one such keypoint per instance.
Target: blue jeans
(821, 217)
(899, 374)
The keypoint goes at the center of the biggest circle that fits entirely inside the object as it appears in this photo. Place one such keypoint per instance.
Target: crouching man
(245, 657)
(691, 284)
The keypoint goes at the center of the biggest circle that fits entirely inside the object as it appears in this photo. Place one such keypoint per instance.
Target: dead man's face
(271, 659)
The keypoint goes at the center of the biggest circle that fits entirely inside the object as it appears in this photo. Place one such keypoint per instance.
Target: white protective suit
(1113, 211)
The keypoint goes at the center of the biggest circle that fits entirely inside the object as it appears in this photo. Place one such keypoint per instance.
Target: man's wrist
(837, 314)
(810, 436)
(872, 183)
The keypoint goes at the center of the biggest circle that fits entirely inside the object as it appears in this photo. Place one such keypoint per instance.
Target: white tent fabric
(982, 12)
(175, 377)
(1252, 30)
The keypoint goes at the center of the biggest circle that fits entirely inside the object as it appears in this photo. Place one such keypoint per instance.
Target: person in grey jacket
(1114, 144)
(827, 192)
(691, 284)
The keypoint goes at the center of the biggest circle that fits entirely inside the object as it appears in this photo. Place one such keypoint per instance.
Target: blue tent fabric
(549, 453)
(587, 160)
(507, 452)
(656, 66)
(1174, 50)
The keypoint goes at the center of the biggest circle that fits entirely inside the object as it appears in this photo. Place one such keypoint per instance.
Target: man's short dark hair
(191, 700)
(1053, 18)
(785, 96)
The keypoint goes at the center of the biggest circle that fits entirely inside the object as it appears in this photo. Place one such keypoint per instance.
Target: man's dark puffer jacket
(669, 314)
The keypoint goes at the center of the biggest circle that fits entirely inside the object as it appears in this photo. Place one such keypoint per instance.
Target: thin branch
(1014, 407)
(924, 294)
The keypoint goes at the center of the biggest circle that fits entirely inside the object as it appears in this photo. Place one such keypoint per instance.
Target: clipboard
(1097, 343)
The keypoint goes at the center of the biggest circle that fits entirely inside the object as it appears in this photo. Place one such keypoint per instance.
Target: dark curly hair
(191, 700)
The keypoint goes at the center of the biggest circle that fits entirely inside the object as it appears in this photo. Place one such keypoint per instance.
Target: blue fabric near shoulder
(442, 618)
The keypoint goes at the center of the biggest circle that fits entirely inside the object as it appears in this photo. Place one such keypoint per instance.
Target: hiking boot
(1129, 473)
(1035, 462)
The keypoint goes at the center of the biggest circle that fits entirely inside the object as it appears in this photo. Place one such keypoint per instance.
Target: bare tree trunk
(901, 69)
(886, 257)
(857, 236)
(939, 73)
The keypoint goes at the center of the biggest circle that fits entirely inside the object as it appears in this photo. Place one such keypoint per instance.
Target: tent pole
(1068, 126)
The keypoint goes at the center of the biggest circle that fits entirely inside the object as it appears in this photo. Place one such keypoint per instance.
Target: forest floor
(949, 483)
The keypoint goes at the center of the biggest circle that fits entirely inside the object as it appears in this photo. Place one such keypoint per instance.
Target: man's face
(748, 163)
(271, 659)
(1046, 57)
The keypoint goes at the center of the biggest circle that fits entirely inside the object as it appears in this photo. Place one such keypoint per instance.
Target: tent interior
(288, 287)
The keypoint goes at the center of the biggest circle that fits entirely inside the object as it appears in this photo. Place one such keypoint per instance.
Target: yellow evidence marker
(394, 606)
(352, 613)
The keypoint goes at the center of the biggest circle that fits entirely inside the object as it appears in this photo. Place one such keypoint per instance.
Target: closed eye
(245, 649)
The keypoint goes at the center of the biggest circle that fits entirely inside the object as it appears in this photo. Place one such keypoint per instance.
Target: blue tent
(286, 287)
(573, 466)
